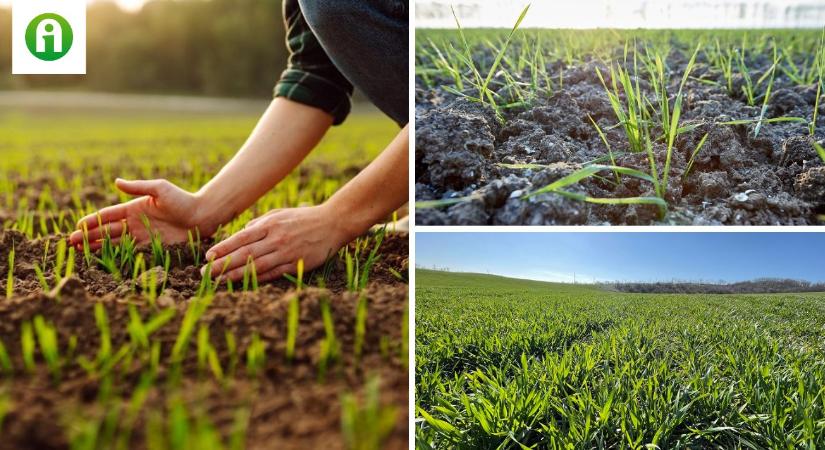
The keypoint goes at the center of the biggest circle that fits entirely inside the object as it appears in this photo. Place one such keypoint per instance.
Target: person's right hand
(171, 212)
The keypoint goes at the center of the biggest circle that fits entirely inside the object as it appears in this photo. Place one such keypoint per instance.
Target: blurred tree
(215, 47)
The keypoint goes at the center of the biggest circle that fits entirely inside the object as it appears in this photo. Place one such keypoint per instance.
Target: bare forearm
(285, 134)
(380, 189)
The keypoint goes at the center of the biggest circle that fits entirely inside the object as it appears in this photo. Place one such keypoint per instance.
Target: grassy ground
(641, 119)
(47, 156)
(131, 348)
(503, 363)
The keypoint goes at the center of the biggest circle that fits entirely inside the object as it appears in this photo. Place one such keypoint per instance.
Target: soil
(737, 179)
(290, 407)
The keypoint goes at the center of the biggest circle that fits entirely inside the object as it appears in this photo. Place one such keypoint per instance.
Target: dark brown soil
(738, 179)
(290, 407)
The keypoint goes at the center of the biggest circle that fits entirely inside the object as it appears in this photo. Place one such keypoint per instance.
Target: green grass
(75, 151)
(58, 167)
(505, 363)
(643, 82)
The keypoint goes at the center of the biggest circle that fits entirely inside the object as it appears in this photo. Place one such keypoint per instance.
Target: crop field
(514, 364)
(130, 347)
(559, 127)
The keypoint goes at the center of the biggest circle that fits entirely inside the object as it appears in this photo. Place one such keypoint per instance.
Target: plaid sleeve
(311, 78)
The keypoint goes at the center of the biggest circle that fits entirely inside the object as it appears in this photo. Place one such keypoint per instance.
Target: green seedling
(255, 356)
(329, 346)
(398, 275)
(630, 112)
(693, 155)
(351, 283)
(5, 361)
(250, 275)
(819, 65)
(138, 269)
(365, 426)
(195, 245)
(372, 258)
(232, 348)
(41, 278)
(300, 275)
(87, 252)
(155, 241)
(197, 307)
(137, 329)
(820, 151)
(10, 276)
(47, 338)
(770, 74)
(104, 352)
(589, 171)
(46, 248)
(5, 407)
(237, 438)
(215, 365)
(607, 144)
(360, 326)
(27, 345)
(203, 346)
(136, 403)
(293, 313)
(484, 93)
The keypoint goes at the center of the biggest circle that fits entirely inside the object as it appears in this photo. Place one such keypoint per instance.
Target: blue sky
(606, 256)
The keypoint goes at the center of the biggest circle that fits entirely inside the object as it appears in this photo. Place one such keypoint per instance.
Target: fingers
(277, 272)
(153, 188)
(96, 245)
(236, 241)
(263, 264)
(106, 215)
(241, 256)
(96, 235)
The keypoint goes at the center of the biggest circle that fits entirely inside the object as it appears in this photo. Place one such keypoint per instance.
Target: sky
(130, 5)
(624, 13)
(615, 256)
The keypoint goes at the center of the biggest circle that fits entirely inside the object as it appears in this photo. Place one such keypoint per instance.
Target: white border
(411, 239)
(414, 229)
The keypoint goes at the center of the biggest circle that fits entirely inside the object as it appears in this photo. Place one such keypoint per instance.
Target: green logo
(49, 37)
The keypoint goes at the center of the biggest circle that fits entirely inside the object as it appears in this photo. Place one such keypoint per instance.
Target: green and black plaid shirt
(311, 78)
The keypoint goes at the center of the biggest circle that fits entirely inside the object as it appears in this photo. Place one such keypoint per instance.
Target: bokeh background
(173, 89)
(216, 48)
(626, 13)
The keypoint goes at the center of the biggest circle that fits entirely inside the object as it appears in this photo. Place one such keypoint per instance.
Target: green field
(131, 347)
(504, 363)
(63, 165)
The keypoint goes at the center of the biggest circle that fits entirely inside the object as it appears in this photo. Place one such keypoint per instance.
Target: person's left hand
(276, 241)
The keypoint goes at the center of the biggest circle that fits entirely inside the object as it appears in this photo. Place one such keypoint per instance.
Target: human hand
(276, 241)
(171, 211)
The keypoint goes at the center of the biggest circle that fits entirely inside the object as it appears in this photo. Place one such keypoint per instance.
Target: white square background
(23, 62)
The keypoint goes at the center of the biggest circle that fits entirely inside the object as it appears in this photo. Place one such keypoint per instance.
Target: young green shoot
(6, 366)
(27, 346)
(195, 245)
(820, 151)
(329, 346)
(255, 356)
(193, 313)
(293, 315)
(365, 426)
(47, 338)
(10, 276)
(104, 352)
(360, 326)
(693, 156)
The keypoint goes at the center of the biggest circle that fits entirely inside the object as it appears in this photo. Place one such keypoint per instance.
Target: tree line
(217, 47)
(757, 286)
